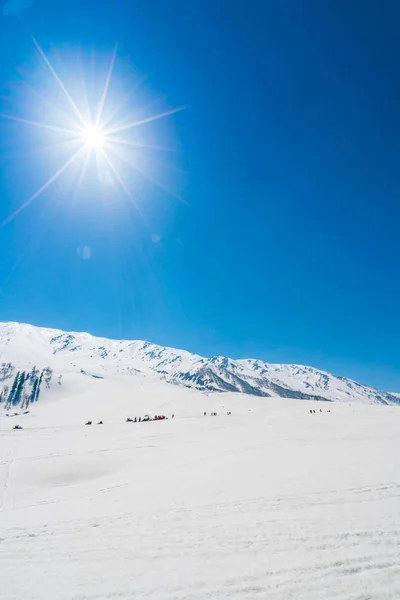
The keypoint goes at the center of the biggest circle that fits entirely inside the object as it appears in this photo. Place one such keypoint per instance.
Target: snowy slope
(25, 345)
(271, 502)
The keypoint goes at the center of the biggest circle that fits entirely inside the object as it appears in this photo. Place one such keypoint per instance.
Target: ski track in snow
(270, 502)
(8, 459)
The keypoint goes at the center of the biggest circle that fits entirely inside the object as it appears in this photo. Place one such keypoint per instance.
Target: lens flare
(107, 137)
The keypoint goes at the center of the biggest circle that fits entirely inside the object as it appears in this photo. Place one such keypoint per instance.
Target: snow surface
(269, 502)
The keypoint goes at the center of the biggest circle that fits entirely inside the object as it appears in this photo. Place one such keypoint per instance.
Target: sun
(94, 138)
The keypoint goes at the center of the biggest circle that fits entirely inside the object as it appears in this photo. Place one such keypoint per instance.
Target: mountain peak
(65, 352)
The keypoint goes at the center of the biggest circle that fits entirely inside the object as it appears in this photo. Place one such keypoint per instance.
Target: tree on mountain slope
(37, 390)
(25, 400)
(35, 385)
(33, 374)
(18, 396)
(47, 376)
(6, 370)
(13, 390)
(4, 394)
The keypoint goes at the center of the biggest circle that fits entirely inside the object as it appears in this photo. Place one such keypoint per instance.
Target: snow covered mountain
(26, 346)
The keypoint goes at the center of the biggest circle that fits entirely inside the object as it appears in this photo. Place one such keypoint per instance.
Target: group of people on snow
(137, 419)
(147, 418)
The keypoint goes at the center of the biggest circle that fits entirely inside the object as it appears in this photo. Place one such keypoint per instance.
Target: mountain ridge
(26, 346)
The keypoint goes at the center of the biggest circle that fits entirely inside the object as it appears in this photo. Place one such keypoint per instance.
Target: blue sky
(286, 247)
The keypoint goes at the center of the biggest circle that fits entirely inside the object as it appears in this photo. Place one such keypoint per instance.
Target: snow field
(270, 502)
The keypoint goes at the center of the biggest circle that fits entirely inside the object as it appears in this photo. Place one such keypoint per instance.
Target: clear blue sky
(288, 246)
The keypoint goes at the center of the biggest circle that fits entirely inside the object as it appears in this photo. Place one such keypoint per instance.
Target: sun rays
(90, 132)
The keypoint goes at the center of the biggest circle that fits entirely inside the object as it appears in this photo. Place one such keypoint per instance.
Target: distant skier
(173, 416)
(88, 423)
(100, 423)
